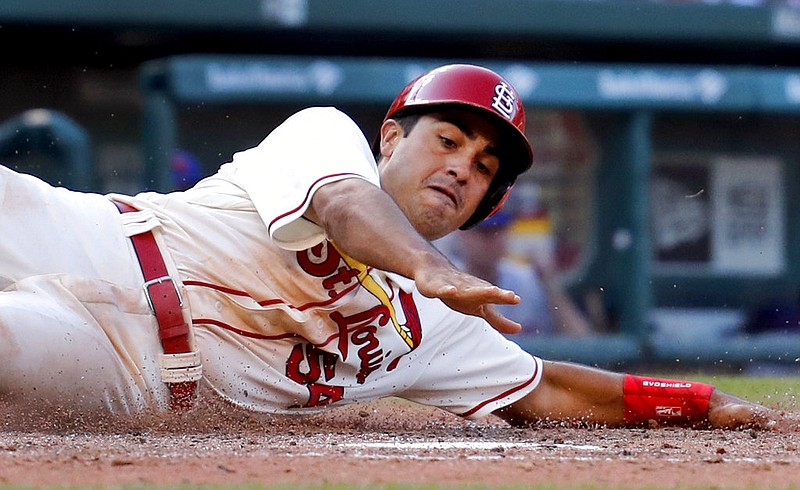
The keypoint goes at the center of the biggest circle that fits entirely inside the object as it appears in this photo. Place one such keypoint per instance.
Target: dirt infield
(379, 444)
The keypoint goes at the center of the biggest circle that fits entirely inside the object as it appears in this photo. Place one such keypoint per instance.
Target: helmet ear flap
(495, 197)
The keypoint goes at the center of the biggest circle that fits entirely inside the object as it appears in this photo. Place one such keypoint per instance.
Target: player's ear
(391, 134)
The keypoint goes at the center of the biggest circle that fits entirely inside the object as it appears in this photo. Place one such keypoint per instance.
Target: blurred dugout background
(667, 135)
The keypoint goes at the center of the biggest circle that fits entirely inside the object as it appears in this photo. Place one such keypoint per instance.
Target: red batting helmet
(490, 94)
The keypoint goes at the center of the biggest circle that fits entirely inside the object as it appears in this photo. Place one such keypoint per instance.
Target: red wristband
(666, 401)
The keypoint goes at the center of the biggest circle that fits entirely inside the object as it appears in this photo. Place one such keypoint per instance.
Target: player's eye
(484, 169)
(447, 142)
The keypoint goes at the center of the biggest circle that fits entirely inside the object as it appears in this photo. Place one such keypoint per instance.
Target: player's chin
(435, 224)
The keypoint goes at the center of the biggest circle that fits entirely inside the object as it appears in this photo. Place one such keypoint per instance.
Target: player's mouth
(448, 194)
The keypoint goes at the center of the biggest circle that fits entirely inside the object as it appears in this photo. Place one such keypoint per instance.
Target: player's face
(440, 170)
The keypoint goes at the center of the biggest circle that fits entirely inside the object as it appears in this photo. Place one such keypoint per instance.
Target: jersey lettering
(344, 275)
(355, 325)
(370, 354)
(323, 261)
(311, 366)
(321, 395)
(319, 260)
(318, 363)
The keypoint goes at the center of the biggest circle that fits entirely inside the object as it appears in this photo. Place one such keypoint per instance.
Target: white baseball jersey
(283, 319)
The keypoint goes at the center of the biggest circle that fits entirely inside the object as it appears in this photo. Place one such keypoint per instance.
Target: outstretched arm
(367, 225)
(574, 393)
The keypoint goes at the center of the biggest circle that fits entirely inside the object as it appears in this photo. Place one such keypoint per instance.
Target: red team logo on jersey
(312, 366)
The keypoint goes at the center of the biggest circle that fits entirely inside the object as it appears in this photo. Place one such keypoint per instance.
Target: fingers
(500, 322)
(471, 296)
(483, 305)
(730, 412)
(485, 293)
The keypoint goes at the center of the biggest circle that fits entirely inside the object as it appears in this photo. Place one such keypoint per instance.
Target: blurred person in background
(187, 170)
(530, 232)
(546, 307)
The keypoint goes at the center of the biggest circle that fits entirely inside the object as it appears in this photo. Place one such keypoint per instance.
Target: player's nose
(460, 165)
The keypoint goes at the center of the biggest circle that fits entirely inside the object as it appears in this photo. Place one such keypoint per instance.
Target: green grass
(774, 391)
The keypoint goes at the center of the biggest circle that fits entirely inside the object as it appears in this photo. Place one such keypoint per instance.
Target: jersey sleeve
(313, 147)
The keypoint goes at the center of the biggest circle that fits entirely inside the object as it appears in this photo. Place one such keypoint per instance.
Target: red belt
(164, 299)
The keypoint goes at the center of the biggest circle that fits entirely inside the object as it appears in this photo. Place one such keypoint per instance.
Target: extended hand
(726, 411)
(469, 295)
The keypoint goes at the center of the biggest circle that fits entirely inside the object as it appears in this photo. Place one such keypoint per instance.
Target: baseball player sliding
(301, 276)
